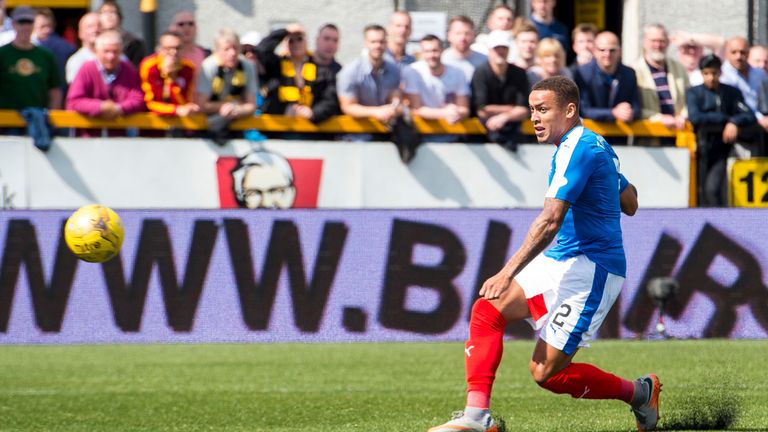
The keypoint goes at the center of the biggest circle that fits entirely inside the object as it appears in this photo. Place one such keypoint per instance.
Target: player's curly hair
(566, 91)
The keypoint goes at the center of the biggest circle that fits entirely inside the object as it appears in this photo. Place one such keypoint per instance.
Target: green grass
(710, 385)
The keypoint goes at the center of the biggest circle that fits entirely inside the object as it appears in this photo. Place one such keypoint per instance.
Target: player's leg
(584, 299)
(553, 370)
(482, 356)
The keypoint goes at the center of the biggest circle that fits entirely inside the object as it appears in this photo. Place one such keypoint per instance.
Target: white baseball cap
(499, 38)
(250, 38)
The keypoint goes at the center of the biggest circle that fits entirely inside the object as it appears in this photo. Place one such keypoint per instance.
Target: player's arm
(627, 196)
(540, 234)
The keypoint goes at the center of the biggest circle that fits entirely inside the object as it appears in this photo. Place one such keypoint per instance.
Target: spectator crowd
(720, 86)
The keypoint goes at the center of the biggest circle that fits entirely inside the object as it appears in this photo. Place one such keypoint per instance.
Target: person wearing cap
(29, 77)
(184, 24)
(608, 88)
(295, 85)
(248, 43)
(500, 92)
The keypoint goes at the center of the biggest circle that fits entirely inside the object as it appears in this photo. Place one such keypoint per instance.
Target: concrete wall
(261, 15)
(726, 17)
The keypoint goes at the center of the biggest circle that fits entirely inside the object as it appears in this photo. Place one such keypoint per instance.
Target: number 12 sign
(749, 183)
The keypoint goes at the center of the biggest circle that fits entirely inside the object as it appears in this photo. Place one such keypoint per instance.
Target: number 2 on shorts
(566, 310)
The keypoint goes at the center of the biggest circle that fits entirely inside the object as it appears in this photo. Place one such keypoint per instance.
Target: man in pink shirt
(107, 87)
(184, 24)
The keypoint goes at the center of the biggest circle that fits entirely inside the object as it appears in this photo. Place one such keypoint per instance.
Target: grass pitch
(708, 385)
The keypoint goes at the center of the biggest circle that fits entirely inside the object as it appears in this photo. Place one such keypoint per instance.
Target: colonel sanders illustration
(263, 180)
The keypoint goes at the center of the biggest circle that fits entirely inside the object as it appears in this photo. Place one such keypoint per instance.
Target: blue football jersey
(585, 172)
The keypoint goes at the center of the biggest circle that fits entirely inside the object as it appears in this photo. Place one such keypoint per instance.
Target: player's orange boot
(647, 414)
(462, 422)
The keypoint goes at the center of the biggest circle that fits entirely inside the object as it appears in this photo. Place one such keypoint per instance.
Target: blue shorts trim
(585, 319)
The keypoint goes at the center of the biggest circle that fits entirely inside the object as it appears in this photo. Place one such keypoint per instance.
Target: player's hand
(495, 286)
(730, 132)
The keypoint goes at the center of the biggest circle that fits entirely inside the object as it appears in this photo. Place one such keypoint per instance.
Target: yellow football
(94, 233)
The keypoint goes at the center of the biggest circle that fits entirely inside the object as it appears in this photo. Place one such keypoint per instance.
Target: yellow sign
(749, 183)
(590, 11)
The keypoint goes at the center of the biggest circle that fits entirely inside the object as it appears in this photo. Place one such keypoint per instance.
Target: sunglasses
(24, 21)
(248, 50)
(296, 39)
(185, 23)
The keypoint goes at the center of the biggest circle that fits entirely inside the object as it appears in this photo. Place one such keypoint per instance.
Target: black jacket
(726, 104)
(325, 102)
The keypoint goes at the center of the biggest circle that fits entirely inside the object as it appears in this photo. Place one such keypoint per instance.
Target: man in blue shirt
(543, 17)
(566, 291)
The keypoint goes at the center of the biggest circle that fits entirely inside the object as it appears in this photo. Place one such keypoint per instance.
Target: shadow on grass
(713, 408)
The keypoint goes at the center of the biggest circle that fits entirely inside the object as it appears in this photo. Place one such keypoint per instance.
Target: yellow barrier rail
(336, 124)
(345, 124)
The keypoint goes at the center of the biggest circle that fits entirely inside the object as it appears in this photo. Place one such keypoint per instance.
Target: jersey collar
(565, 135)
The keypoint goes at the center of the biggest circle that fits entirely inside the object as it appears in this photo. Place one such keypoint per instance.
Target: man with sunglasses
(168, 81)
(183, 24)
(295, 85)
(29, 77)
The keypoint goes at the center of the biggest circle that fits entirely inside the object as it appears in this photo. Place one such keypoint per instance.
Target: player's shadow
(62, 164)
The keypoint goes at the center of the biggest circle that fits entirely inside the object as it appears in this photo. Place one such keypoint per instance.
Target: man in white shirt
(88, 30)
(461, 34)
(443, 91)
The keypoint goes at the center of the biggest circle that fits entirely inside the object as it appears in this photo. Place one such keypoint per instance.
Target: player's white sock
(477, 414)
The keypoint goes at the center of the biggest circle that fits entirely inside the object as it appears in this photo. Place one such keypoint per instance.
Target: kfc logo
(262, 179)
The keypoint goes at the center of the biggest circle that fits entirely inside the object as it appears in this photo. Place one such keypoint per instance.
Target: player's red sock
(482, 352)
(582, 380)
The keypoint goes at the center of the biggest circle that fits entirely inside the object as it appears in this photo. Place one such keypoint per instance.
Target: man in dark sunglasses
(295, 85)
(184, 24)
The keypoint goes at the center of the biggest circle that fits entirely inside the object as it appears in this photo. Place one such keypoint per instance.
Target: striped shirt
(666, 104)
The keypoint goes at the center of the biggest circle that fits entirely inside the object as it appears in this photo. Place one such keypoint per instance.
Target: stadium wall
(197, 174)
(322, 275)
